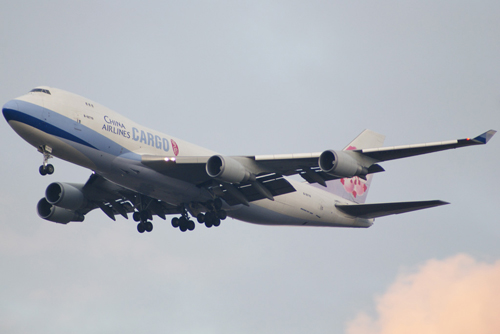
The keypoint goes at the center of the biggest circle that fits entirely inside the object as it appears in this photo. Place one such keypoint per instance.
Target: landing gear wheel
(144, 215)
(148, 226)
(183, 224)
(175, 222)
(42, 170)
(222, 214)
(190, 225)
(201, 218)
(183, 227)
(49, 169)
(209, 219)
(136, 216)
(141, 228)
(209, 216)
(216, 222)
(217, 203)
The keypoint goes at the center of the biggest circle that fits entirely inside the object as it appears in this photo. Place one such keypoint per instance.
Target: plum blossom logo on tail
(354, 185)
(175, 147)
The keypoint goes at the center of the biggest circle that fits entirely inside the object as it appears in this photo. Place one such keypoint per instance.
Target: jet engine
(227, 169)
(64, 195)
(61, 202)
(340, 164)
(57, 214)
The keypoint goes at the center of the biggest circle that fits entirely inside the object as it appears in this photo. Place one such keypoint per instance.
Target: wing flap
(376, 210)
(113, 199)
(276, 185)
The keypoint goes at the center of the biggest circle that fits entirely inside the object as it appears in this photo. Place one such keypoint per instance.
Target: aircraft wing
(398, 152)
(113, 199)
(306, 165)
(267, 171)
(375, 210)
(265, 184)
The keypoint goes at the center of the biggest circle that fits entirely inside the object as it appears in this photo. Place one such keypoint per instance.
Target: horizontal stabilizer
(386, 209)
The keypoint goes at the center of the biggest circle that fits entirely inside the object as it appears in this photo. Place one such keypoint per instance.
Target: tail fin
(356, 189)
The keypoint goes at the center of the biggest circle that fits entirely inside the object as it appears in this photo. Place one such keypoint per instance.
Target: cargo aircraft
(146, 173)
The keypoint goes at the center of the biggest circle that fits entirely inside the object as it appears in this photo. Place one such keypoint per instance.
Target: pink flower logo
(354, 185)
(175, 147)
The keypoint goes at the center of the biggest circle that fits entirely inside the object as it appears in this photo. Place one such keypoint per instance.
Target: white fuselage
(85, 133)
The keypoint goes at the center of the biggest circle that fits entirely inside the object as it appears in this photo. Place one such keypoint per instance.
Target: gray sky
(253, 78)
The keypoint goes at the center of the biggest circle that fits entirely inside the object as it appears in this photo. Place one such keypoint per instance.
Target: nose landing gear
(46, 168)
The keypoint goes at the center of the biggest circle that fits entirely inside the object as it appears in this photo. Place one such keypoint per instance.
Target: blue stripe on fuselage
(62, 127)
(15, 115)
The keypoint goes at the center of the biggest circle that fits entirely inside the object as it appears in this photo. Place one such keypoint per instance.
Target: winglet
(485, 137)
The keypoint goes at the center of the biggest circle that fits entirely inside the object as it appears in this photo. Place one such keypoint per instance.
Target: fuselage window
(46, 91)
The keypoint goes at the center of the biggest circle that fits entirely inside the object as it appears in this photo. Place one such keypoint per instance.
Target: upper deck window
(46, 91)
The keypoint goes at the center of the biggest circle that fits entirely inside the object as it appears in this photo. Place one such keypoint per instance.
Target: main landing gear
(145, 208)
(143, 215)
(144, 224)
(183, 223)
(46, 168)
(212, 217)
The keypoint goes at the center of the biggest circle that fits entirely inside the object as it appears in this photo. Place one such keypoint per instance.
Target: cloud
(455, 295)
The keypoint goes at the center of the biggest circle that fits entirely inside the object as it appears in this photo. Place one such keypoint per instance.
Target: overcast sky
(262, 77)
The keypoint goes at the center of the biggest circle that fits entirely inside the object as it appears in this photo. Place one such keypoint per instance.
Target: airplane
(146, 173)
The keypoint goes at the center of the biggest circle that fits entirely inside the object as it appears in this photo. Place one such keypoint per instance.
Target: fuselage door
(76, 115)
(78, 122)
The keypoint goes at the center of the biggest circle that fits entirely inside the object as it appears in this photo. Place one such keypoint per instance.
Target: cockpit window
(46, 91)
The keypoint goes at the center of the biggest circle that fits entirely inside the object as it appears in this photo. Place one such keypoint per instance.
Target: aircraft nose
(9, 109)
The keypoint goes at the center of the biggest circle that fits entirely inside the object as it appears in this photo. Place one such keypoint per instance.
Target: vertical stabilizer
(366, 139)
(355, 189)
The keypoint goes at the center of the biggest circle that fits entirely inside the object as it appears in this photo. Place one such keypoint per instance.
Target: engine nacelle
(227, 169)
(66, 196)
(57, 214)
(340, 164)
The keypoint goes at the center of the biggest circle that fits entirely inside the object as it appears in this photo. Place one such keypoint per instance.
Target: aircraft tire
(183, 227)
(136, 216)
(50, 169)
(217, 203)
(42, 170)
(141, 228)
(216, 222)
(190, 225)
(144, 215)
(201, 218)
(222, 214)
(148, 226)
(175, 222)
(209, 216)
